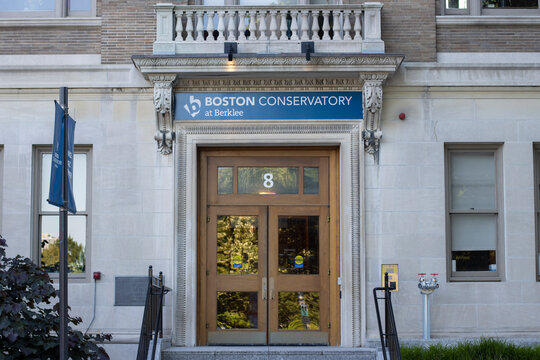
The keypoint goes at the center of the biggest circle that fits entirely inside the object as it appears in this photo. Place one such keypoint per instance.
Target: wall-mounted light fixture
(230, 49)
(308, 48)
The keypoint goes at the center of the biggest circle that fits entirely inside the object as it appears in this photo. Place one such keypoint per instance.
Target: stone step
(268, 353)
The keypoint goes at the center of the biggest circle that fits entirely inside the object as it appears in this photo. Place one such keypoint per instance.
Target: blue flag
(55, 189)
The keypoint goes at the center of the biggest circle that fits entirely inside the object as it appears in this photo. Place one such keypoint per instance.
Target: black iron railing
(152, 324)
(389, 336)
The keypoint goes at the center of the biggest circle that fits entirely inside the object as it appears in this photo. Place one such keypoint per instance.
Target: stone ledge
(51, 22)
(487, 20)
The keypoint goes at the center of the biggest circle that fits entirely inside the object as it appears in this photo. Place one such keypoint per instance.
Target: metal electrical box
(392, 270)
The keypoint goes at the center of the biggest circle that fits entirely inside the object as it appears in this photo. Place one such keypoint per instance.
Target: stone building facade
(452, 188)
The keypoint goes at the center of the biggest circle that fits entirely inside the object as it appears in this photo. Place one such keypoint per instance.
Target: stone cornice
(235, 84)
(194, 65)
(487, 20)
(50, 22)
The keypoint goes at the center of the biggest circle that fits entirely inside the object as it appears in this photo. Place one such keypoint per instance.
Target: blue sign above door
(268, 105)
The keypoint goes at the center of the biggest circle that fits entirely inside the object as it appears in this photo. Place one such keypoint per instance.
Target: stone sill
(487, 20)
(51, 22)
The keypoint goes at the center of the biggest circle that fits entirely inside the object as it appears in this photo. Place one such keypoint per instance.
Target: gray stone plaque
(130, 290)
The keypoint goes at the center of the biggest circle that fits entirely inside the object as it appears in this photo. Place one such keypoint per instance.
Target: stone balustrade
(183, 29)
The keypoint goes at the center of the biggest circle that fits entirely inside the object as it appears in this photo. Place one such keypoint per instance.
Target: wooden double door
(267, 247)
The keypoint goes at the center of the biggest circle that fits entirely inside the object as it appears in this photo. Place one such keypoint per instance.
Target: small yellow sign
(237, 262)
(299, 262)
(392, 270)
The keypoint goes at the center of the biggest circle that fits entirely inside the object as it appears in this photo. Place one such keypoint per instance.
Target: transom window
(47, 8)
(490, 7)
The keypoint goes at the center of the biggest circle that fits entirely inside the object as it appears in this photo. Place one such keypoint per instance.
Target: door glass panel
(267, 180)
(298, 238)
(236, 310)
(298, 310)
(225, 180)
(237, 244)
(311, 180)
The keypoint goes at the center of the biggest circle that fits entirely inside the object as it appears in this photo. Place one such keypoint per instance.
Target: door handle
(272, 288)
(264, 289)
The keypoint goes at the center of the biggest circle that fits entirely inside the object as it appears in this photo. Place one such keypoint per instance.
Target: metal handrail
(389, 337)
(152, 323)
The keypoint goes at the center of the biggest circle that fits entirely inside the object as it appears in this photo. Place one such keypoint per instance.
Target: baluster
(346, 25)
(315, 25)
(200, 26)
(262, 26)
(305, 25)
(294, 25)
(357, 27)
(179, 28)
(210, 26)
(231, 25)
(241, 26)
(273, 25)
(326, 25)
(336, 26)
(253, 25)
(189, 27)
(283, 26)
(221, 26)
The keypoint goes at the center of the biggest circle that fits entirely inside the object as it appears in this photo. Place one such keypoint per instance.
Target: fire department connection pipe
(427, 287)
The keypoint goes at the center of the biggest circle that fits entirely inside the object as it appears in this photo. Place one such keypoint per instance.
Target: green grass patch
(484, 349)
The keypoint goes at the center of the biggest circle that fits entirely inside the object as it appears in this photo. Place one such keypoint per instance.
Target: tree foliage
(29, 323)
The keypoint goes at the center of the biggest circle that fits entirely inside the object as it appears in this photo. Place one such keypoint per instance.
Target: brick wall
(408, 27)
(49, 40)
(488, 38)
(128, 27)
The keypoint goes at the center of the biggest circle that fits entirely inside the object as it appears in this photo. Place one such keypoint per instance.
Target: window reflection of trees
(237, 238)
(290, 311)
(298, 236)
(236, 310)
(50, 256)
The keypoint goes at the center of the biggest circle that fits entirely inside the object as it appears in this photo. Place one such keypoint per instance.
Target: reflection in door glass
(298, 238)
(237, 244)
(267, 180)
(298, 310)
(225, 180)
(311, 180)
(236, 310)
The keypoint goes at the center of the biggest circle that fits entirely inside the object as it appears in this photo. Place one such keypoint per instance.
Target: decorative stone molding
(163, 101)
(372, 134)
(337, 84)
(261, 60)
(185, 215)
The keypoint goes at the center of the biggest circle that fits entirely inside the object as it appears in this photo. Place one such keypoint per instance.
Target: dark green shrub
(485, 349)
(28, 328)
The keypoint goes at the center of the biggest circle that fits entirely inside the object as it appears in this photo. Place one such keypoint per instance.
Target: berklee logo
(194, 106)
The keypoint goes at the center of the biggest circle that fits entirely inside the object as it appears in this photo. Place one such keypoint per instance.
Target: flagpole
(63, 234)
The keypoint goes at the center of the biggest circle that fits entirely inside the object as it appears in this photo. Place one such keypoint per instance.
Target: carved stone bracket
(163, 105)
(372, 133)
